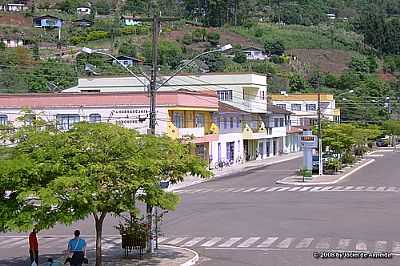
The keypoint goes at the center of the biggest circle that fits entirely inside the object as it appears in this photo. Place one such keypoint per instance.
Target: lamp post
(153, 87)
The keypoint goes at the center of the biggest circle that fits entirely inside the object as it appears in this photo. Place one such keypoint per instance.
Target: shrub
(348, 158)
(258, 32)
(97, 35)
(240, 57)
(197, 35)
(187, 39)
(213, 38)
(333, 164)
(277, 59)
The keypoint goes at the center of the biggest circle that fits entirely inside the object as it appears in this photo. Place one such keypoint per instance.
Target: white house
(12, 42)
(13, 7)
(130, 21)
(127, 61)
(83, 10)
(254, 53)
(304, 107)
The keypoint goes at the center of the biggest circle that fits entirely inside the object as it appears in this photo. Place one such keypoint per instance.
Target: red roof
(45, 100)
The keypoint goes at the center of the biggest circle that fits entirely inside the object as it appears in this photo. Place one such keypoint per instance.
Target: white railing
(197, 132)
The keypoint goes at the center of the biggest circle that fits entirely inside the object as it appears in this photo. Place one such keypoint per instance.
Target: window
(283, 106)
(281, 122)
(66, 121)
(225, 122)
(231, 122)
(178, 120)
(199, 120)
(3, 120)
(276, 122)
(296, 107)
(94, 118)
(263, 95)
(219, 152)
(225, 95)
(311, 107)
(237, 122)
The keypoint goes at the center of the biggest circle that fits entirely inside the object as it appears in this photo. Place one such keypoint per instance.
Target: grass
(296, 36)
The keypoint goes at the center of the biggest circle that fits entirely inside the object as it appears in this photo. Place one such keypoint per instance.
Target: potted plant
(133, 232)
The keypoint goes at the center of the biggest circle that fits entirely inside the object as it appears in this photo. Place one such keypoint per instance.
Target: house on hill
(127, 61)
(130, 20)
(47, 21)
(254, 53)
(83, 23)
(83, 10)
(13, 7)
(12, 40)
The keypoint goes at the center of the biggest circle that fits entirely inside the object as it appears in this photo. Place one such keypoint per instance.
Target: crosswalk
(261, 190)
(272, 242)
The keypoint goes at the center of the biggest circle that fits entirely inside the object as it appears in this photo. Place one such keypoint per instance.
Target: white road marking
(250, 189)
(305, 243)
(247, 243)
(283, 189)
(380, 189)
(285, 243)
(396, 247)
(176, 240)
(380, 245)
(211, 242)
(392, 189)
(348, 187)
(315, 189)
(230, 189)
(162, 239)
(360, 188)
(337, 188)
(294, 189)
(268, 242)
(362, 246)
(370, 189)
(326, 188)
(18, 243)
(323, 243)
(305, 189)
(237, 190)
(273, 189)
(230, 242)
(261, 189)
(343, 244)
(206, 190)
(10, 240)
(193, 242)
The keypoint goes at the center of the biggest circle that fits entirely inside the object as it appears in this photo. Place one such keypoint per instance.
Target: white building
(11, 42)
(248, 130)
(254, 53)
(83, 10)
(130, 21)
(304, 107)
(13, 7)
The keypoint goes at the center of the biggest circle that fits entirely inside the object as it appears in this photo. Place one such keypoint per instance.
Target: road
(246, 219)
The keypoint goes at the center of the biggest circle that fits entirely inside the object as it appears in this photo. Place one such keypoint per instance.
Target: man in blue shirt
(77, 247)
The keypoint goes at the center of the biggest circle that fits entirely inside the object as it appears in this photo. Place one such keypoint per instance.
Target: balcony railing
(197, 132)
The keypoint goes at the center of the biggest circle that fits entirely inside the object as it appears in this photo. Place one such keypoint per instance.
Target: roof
(277, 110)
(253, 48)
(83, 20)
(46, 16)
(125, 57)
(227, 108)
(182, 98)
(302, 97)
(129, 17)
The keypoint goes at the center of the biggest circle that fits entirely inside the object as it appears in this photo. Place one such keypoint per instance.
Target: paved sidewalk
(326, 179)
(248, 166)
(165, 256)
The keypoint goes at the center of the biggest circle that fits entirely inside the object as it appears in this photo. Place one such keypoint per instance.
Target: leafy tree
(240, 56)
(103, 7)
(214, 62)
(274, 48)
(297, 83)
(213, 38)
(135, 7)
(94, 169)
(170, 53)
(127, 48)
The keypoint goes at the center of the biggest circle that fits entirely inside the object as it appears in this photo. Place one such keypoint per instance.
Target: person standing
(77, 247)
(34, 247)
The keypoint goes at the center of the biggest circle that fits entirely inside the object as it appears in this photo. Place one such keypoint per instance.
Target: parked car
(382, 143)
(315, 164)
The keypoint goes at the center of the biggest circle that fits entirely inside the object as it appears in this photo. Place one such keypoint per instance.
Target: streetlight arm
(186, 64)
(126, 68)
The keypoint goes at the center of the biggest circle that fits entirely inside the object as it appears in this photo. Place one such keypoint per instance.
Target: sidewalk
(326, 179)
(164, 256)
(235, 169)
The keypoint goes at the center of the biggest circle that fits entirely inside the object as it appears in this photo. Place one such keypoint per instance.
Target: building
(127, 61)
(83, 10)
(304, 107)
(47, 21)
(254, 53)
(12, 40)
(180, 114)
(13, 7)
(130, 21)
(83, 23)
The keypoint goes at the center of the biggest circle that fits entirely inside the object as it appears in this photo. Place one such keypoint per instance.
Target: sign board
(309, 141)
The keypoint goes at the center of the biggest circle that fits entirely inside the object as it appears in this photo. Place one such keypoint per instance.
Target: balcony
(197, 132)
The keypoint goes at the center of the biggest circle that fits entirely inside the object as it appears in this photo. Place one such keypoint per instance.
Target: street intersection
(250, 220)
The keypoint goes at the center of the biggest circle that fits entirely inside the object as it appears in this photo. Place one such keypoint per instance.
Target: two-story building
(304, 107)
(180, 114)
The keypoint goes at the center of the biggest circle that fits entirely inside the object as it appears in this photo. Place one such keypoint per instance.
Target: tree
(128, 49)
(93, 169)
(274, 48)
(214, 62)
(240, 56)
(213, 38)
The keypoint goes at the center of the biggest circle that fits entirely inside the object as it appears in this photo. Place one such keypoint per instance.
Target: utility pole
(320, 167)
(152, 121)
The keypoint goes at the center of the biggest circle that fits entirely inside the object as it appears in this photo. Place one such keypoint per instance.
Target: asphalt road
(247, 219)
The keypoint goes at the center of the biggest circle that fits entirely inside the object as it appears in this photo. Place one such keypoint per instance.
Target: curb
(190, 262)
(327, 183)
(240, 170)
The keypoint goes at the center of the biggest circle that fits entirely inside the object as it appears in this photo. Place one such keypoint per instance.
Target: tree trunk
(99, 231)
